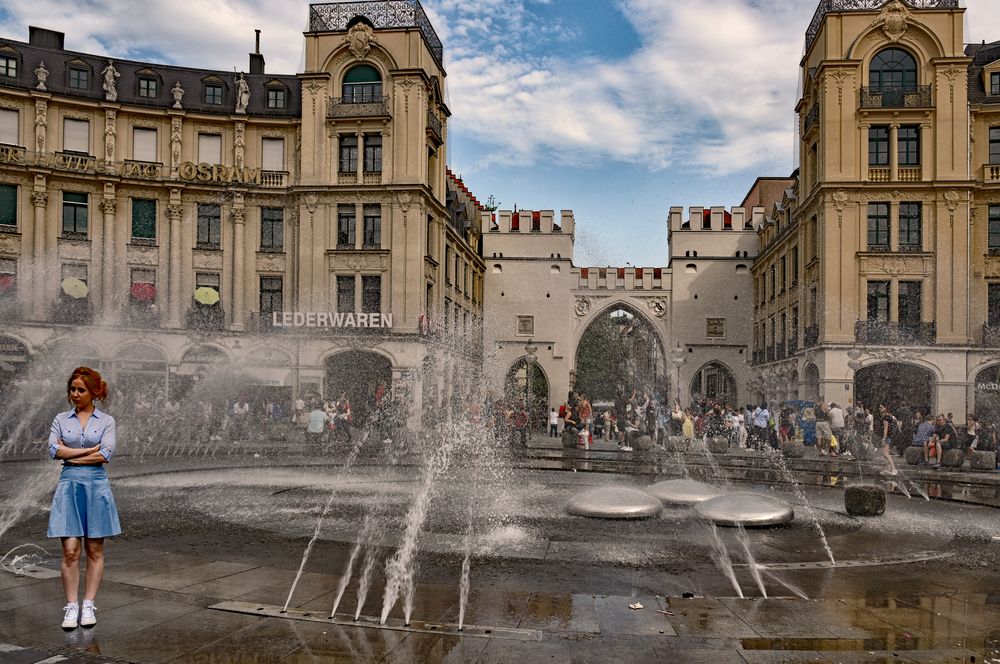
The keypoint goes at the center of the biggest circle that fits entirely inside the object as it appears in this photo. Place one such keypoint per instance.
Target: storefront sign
(142, 366)
(10, 154)
(329, 319)
(217, 173)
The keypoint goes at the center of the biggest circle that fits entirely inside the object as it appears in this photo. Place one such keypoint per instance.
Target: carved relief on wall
(359, 39)
(582, 306)
(41, 123)
(657, 305)
(359, 261)
(895, 265)
(894, 20)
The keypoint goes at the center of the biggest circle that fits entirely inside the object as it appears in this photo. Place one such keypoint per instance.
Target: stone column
(109, 206)
(893, 152)
(361, 157)
(174, 214)
(239, 261)
(40, 201)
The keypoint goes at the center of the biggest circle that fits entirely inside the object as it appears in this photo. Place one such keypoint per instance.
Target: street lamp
(677, 358)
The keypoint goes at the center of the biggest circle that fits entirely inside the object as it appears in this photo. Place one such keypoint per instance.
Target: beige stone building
(876, 278)
(304, 225)
(688, 322)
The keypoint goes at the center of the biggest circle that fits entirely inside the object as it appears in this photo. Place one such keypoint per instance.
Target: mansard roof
(58, 61)
(982, 55)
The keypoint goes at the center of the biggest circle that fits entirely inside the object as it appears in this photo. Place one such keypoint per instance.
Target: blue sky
(616, 109)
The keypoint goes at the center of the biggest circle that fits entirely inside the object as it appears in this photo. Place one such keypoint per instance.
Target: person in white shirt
(553, 423)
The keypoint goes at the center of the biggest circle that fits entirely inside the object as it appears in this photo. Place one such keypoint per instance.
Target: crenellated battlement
(528, 222)
(716, 219)
(624, 278)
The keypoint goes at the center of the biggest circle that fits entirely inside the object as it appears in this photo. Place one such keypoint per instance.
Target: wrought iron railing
(334, 17)
(434, 126)
(837, 6)
(810, 336)
(812, 117)
(341, 108)
(917, 96)
(891, 332)
(991, 335)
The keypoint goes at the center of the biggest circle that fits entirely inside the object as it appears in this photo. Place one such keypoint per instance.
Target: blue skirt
(83, 505)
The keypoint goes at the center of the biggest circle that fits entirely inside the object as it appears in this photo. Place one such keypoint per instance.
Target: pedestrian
(298, 415)
(760, 418)
(553, 423)
(316, 427)
(83, 507)
(824, 432)
(972, 428)
(889, 427)
(586, 413)
(838, 422)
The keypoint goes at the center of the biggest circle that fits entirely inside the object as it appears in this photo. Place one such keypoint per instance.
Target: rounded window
(362, 85)
(893, 69)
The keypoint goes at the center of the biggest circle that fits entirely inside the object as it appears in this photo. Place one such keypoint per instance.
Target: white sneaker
(626, 448)
(70, 617)
(89, 617)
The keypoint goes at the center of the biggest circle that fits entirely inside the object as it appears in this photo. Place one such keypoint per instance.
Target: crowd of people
(834, 430)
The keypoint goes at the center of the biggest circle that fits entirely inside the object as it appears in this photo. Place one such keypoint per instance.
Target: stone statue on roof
(242, 94)
(178, 92)
(42, 74)
(109, 85)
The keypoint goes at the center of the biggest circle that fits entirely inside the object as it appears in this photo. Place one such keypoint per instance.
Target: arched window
(362, 85)
(893, 69)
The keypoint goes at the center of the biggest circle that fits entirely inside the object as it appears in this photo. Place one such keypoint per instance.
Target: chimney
(256, 58)
(45, 38)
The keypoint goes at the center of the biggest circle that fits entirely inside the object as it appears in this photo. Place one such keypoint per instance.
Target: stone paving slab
(191, 576)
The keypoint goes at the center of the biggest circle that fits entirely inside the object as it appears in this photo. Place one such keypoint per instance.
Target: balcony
(140, 314)
(879, 174)
(335, 17)
(991, 335)
(72, 311)
(372, 177)
(810, 336)
(894, 333)
(991, 173)
(917, 96)
(347, 177)
(273, 179)
(812, 117)
(909, 174)
(340, 108)
(434, 127)
(844, 6)
(206, 317)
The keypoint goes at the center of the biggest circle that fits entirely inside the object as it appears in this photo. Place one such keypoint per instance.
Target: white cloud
(711, 85)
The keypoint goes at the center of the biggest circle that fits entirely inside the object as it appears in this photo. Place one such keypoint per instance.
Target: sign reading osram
(329, 319)
(217, 173)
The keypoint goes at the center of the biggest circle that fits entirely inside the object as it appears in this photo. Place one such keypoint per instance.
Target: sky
(616, 109)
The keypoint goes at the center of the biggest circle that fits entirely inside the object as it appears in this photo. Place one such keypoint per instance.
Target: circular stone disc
(614, 502)
(748, 509)
(683, 493)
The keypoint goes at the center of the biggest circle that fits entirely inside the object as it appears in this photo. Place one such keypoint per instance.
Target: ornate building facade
(877, 277)
(279, 220)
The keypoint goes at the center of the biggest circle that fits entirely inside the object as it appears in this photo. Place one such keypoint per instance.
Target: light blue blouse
(101, 431)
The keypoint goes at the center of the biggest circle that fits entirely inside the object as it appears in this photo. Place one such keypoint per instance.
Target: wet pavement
(912, 586)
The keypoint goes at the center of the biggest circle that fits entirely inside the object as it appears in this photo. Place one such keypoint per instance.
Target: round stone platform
(683, 493)
(747, 509)
(614, 502)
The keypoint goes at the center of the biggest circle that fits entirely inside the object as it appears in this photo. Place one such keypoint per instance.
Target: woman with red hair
(83, 508)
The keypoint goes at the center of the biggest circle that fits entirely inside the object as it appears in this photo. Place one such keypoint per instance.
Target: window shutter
(9, 133)
(210, 148)
(76, 135)
(273, 154)
(144, 144)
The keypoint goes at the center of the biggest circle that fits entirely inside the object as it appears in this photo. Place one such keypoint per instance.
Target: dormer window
(995, 84)
(213, 94)
(79, 79)
(8, 66)
(147, 88)
(893, 69)
(276, 98)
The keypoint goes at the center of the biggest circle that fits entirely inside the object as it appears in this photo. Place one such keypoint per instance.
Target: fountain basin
(683, 493)
(614, 502)
(752, 510)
